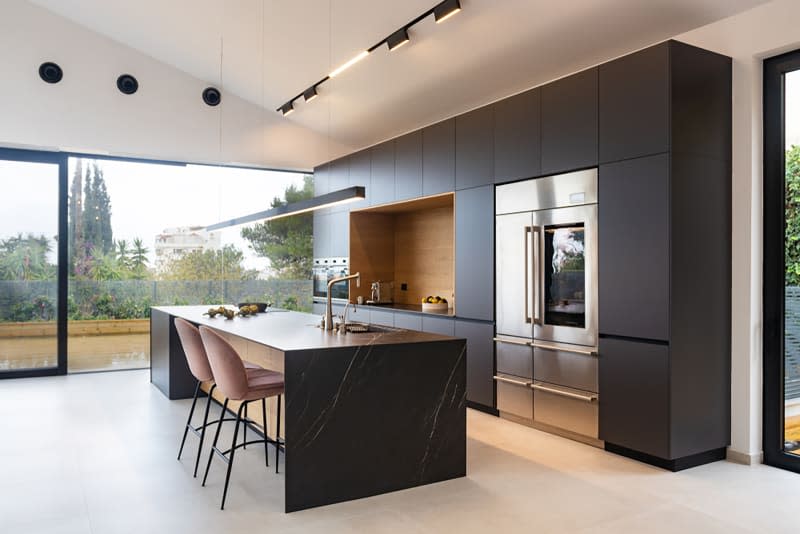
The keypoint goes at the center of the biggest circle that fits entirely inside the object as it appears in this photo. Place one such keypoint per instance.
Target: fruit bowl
(441, 306)
(262, 306)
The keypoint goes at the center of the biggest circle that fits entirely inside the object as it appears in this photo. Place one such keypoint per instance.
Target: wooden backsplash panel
(372, 250)
(424, 254)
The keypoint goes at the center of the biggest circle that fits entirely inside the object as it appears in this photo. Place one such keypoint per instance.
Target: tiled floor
(96, 454)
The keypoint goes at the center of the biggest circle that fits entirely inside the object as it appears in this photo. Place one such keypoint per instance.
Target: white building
(173, 243)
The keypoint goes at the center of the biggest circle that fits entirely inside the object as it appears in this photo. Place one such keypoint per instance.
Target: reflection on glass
(565, 280)
(28, 265)
(792, 260)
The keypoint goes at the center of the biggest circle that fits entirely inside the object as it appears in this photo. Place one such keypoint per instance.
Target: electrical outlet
(403, 287)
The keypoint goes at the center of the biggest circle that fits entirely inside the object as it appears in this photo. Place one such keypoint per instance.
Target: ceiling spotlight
(50, 72)
(353, 61)
(212, 96)
(310, 94)
(287, 108)
(445, 10)
(397, 39)
(127, 84)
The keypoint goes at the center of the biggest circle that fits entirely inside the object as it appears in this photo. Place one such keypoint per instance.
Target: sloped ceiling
(266, 51)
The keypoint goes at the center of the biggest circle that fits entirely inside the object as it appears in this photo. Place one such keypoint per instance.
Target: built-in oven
(326, 269)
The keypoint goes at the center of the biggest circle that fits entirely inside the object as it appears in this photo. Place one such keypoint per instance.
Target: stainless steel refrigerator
(546, 302)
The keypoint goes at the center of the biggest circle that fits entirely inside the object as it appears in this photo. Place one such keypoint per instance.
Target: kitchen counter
(412, 308)
(365, 413)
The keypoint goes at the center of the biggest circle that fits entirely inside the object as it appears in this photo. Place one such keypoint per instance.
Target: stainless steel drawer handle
(585, 352)
(512, 342)
(578, 396)
(512, 381)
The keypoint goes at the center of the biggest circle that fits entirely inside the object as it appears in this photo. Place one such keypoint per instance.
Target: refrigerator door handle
(528, 274)
(538, 297)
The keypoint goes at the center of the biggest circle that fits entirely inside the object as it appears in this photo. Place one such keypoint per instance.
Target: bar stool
(237, 384)
(201, 370)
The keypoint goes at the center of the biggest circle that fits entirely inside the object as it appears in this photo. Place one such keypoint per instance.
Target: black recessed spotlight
(50, 72)
(397, 39)
(212, 96)
(127, 84)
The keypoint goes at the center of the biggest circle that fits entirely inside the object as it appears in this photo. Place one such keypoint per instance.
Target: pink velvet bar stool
(239, 384)
(197, 359)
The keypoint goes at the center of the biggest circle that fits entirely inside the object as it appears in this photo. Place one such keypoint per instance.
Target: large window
(134, 237)
(782, 261)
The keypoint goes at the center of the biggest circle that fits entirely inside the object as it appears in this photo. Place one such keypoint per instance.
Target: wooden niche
(408, 243)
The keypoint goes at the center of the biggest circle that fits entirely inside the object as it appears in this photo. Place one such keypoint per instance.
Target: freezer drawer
(565, 408)
(566, 368)
(514, 357)
(514, 396)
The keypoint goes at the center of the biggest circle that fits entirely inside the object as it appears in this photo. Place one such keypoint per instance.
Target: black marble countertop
(288, 330)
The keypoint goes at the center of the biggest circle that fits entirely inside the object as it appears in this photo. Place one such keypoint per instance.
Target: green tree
(222, 264)
(97, 211)
(287, 242)
(25, 258)
(792, 241)
(138, 263)
(123, 254)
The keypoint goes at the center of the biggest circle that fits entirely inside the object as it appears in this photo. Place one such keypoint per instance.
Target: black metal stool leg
(278, 436)
(189, 420)
(264, 422)
(245, 426)
(216, 438)
(233, 452)
(203, 430)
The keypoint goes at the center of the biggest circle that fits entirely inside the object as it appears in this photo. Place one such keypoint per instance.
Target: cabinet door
(633, 256)
(322, 235)
(383, 317)
(475, 148)
(360, 174)
(569, 123)
(408, 166)
(480, 360)
(439, 158)
(634, 105)
(338, 174)
(634, 395)
(475, 253)
(339, 234)
(438, 325)
(408, 321)
(321, 180)
(382, 177)
(517, 137)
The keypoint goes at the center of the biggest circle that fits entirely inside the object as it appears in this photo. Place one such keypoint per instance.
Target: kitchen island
(365, 413)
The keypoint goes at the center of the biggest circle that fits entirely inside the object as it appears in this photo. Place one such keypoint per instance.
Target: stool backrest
(229, 372)
(194, 350)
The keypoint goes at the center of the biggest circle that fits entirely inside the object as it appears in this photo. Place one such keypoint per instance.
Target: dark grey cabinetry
(517, 137)
(438, 325)
(634, 385)
(569, 123)
(474, 253)
(633, 261)
(634, 105)
(321, 180)
(382, 176)
(480, 360)
(322, 235)
(408, 166)
(339, 174)
(339, 229)
(439, 158)
(475, 148)
(360, 174)
(665, 256)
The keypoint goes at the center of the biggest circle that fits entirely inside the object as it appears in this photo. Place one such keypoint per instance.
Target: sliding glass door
(32, 303)
(782, 261)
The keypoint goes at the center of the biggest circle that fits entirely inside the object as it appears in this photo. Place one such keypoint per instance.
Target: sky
(147, 198)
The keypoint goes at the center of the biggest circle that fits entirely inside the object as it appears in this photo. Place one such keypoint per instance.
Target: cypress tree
(75, 229)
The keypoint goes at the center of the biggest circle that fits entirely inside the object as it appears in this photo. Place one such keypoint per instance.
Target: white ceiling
(273, 49)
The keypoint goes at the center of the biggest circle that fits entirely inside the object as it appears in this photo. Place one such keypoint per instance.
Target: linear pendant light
(342, 196)
(441, 12)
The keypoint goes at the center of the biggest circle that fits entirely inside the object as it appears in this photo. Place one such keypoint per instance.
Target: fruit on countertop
(221, 310)
(434, 300)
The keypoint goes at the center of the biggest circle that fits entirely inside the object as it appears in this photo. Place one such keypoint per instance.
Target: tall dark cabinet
(664, 255)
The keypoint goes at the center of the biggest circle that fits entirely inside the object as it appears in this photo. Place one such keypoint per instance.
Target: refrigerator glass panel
(565, 275)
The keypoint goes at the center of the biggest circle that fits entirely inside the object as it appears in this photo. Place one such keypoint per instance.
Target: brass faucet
(329, 307)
